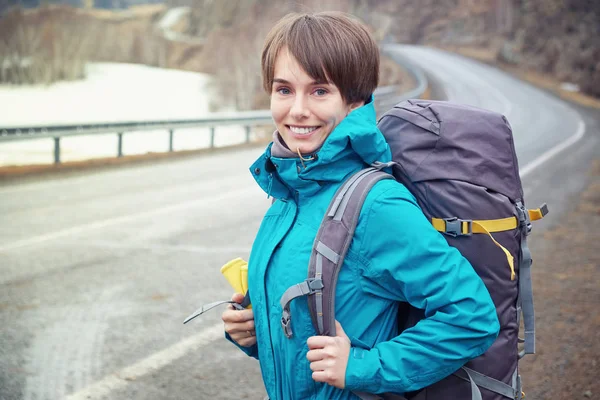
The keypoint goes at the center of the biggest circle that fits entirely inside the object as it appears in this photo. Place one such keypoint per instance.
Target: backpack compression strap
(525, 298)
(461, 227)
(329, 250)
(466, 227)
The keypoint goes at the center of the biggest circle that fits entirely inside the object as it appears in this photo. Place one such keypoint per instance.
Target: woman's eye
(283, 90)
(320, 92)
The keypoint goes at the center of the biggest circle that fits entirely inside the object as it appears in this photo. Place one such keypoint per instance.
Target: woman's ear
(354, 106)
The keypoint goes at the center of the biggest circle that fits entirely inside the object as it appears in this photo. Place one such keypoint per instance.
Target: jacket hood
(353, 144)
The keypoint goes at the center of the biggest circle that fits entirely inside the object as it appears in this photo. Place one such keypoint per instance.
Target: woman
(321, 70)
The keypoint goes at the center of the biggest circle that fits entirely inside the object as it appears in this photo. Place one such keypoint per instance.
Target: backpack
(460, 164)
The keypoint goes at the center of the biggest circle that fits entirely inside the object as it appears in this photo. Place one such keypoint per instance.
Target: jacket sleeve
(251, 351)
(408, 260)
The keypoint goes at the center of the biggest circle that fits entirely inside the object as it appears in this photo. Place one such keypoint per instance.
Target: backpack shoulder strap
(333, 241)
(329, 250)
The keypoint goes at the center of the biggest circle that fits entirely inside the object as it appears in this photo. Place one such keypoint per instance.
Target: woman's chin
(306, 150)
(304, 147)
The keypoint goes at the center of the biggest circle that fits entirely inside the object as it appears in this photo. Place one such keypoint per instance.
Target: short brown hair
(330, 47)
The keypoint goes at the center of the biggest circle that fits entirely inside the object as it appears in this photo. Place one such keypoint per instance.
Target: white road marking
(119, 220)
(156, 361)
(530, 167)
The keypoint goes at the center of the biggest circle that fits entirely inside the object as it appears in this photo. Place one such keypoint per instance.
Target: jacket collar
(354, 143)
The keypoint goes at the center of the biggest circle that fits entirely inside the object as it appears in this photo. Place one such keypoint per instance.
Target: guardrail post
(57, 150)
(120, 145)
(247, 133)
(170, 140)
(212, 137)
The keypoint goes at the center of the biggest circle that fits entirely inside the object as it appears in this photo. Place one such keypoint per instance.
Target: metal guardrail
(249, 118)
(385, 98)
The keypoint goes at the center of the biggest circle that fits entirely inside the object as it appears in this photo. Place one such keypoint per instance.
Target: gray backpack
(460, 164)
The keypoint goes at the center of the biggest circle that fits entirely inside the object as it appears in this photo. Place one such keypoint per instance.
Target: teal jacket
(396, 255)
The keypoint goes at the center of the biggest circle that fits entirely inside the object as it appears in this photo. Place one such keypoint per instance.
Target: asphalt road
(99, 269)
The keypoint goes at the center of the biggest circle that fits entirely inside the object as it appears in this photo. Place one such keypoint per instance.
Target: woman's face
(304, 111)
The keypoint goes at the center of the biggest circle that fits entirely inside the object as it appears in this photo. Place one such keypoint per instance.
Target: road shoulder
(566, 275)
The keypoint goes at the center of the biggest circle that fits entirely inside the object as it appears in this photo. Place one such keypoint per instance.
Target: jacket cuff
(251, 351)
(362, 371)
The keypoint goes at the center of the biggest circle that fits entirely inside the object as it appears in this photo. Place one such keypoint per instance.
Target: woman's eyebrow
(283, 81)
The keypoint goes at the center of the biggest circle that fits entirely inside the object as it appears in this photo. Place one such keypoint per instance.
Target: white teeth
(301, 131)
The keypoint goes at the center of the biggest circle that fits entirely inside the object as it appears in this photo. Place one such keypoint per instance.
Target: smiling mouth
(302, 130)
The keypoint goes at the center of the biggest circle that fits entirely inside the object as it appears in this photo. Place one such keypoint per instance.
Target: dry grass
(392, 73)
(148, 10)
(426, 94)
(137, 11)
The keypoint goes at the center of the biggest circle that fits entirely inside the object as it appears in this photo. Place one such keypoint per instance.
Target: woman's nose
(299, 108)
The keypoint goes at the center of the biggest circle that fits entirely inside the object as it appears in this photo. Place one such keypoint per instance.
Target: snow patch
(110, 93)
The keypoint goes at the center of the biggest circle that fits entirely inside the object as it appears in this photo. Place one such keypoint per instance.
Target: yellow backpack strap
(465, 227)
(538, 213)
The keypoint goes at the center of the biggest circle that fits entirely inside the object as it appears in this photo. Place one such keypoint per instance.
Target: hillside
(556, 37)
(559, 38)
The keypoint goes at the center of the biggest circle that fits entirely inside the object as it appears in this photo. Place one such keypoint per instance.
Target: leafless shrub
(232, 55)
(54, 43)
(43, 46)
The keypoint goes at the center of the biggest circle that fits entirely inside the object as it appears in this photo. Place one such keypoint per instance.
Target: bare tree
(43, 46)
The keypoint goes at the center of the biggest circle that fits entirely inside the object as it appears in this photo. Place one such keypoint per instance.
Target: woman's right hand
(239, 324)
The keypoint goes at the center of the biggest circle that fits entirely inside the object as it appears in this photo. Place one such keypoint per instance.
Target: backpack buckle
(523, 216)
(314, 285)
(286, 324)
(454, 227)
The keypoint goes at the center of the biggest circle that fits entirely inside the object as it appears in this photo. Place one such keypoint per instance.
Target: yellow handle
(236, 273)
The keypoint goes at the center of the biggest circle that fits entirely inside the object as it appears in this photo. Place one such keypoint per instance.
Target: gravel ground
(566, 276)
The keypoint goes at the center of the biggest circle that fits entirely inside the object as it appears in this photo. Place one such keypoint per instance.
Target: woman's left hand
(328, 356)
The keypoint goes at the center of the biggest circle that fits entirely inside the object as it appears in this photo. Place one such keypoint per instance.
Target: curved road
(99, 269)
(541, 123)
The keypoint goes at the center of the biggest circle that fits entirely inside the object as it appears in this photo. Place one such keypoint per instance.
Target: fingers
(239, 327)
(339, 331)
(317, 355)
(244, 339)
(232, 326)
(319, 342)
(243, 333)
(240, 330)
(322, 365)
(237, 316)
(326, 376)
(328, 358)
(239, 324)
(237, 297)
(319, 364)
(325, 353)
